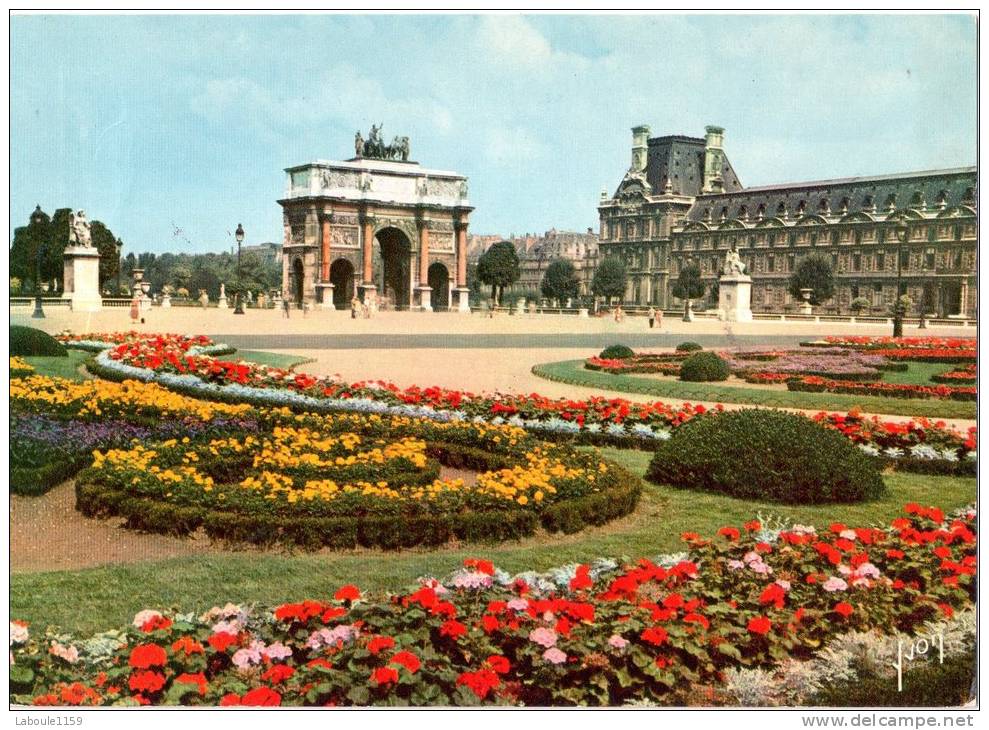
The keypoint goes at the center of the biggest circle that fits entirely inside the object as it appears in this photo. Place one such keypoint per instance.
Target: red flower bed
(643, 631)
(814, 384)
(958, 376)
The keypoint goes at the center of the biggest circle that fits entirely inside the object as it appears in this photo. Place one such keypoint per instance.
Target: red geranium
(146, 681)
(760, 625)
(499, 664)
(380, 643)
(844, 609)
(261, 697)
(384, 675)
(655, 635)
(480, 682)
(348, 593)
(278, 673)
(147, 655)
(452, 628)
(408, 660)
(198, 679)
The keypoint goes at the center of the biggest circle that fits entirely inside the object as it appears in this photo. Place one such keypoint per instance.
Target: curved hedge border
(380, 531)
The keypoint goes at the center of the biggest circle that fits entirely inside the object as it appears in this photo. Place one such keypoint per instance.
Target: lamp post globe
(902, 232)
(239, 235)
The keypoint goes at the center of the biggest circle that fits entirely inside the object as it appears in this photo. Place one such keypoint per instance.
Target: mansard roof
(927, 189)
(680, 160)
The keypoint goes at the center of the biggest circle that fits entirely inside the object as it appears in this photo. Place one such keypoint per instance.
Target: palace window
(770, 263)
(904, 259)
(791, 262)
(880, 261)
(856, 262)
(813, 238)
(929, 259)
(834, 236)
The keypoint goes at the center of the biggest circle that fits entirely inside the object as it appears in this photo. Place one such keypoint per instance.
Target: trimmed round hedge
(28, 342)
(766, 455)
(704, 367)
(616, 352)
(357, 480)
(688, 347)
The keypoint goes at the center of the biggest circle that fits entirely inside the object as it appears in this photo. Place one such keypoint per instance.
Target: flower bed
(594, 420)
(755, 365)
(349, 480)
(19, 368)
(918, 349)
(675, 630)
(959, 376)
(816, 384)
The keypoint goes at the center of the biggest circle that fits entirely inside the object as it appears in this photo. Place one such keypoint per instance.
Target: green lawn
(274, 359)
(96, 599)
(574, 373)
(918, 373)
(60, 367)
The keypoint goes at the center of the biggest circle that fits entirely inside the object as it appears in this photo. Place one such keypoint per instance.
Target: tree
(713, 292)
(498, 267)
(609, 279)
(813, 272)
(24, 248)
(688, 286)
(106, 243)
(560, 281)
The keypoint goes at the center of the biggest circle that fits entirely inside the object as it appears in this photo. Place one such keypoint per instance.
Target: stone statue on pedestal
(79, 233)
(733, 264)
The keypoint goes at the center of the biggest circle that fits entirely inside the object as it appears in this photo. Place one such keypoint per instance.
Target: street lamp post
(239, 235)
(902, 233)
(37, 219)
(120, 248)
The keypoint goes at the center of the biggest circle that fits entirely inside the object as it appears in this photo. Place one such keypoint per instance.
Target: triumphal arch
(377, 226)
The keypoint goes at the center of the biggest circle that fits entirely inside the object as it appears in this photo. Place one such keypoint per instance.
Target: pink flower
(518, 604)
(834, 584)
(142, 617)
(543, 637)
(617, 642)
(554, 655)
(736, 564)
(276, 651)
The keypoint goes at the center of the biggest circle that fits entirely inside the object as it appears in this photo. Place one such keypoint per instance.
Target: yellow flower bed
(93, 398)
(20, 366)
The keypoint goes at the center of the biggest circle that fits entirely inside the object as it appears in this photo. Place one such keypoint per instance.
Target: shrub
(688, 347)
(27, 341)
(616, 352)
(766, 455)
(704, 367)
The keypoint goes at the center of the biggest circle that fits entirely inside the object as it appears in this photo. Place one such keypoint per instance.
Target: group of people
(655, 316)
(363, 309)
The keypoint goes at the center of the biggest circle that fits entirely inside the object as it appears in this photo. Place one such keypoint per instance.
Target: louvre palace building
(681, 200)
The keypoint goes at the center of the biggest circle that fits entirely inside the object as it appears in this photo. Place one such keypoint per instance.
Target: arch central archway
(342, 278)
(393, 277)
(439, 282)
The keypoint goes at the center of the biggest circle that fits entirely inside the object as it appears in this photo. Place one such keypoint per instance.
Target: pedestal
(81, 278)
(222, 303)
(735, 298)
(425, 298)
(326, 296)
(166, 301)
(582, 313)
(805, 308)
(463, 300)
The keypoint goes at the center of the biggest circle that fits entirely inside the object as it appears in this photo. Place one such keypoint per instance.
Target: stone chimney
(714, 159)
(640, 142)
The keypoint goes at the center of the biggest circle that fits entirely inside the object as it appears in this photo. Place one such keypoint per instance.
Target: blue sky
(150, 121)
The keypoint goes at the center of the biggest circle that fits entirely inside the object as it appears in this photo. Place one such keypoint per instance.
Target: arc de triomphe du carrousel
(377, 226)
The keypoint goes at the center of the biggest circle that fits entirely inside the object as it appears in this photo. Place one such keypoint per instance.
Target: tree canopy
(813, 272)
(688, 284)
(561, 281)
(51, 236)
(609, 278)
(499, 267)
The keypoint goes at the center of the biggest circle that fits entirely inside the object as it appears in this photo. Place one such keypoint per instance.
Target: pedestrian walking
(355, 304)
(285, 308)
(659, 318)
(652, 317)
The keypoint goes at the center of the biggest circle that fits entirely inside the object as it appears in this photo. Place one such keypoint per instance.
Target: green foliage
(688, 346)
(768, 455)
(498, 267)
(704, 367)
(609, 279)
(860, 304)
(106, 243)
(29, 341)
(560, 282)
(616, 352)
(813, 272)
(688, 284)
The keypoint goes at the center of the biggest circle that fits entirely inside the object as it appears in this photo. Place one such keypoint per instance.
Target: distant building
(682, 201)
(581, 249)
(268, 252)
